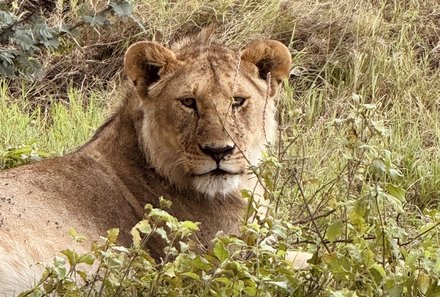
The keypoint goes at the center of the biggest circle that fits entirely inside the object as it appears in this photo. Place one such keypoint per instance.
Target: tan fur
(151, 147)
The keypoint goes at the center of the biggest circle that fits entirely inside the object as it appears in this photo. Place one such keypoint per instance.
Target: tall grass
(28, 132)
(382, 56)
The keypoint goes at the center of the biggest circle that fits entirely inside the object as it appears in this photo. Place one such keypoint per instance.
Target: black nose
(217, 152)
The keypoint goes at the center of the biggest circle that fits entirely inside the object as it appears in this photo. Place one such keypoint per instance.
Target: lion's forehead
(211, 51)
(213, 80)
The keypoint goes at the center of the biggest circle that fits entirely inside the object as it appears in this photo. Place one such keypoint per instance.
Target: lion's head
(208, 110)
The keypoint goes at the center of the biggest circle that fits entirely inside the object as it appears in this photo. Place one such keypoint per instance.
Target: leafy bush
(249, 265)
(25, 33)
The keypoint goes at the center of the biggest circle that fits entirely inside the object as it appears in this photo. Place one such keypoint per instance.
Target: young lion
(197, 116)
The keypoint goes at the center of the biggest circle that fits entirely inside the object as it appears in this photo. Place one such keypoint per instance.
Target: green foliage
(15, 156)
(30, 134)
(236, 266)
(25, 34)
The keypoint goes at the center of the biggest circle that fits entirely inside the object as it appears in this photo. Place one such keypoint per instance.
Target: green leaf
(220, 252)
(434, 290)
(6, 18)
(87, 259)
(162, 233)
(396, 191)
(190, 225)
(112, 235)
(250, 290)
(280, 284)
(121, 8)
(395, 174)
(144, 226)
(162, 215)
(82, 274)
(169, 270)
(423, 282)
(25, 41)
(6, 70)
(200, 263)
(342, 293)
(379, 167)
(121, 249)
(223, 280)
(78, 238)
(136, 237)
(164, 203)
(378, 272)
(51, 43)
(60, 267)
(71, 255)
(393, 201)
(72, 233)
(191, 275)
(335, 230)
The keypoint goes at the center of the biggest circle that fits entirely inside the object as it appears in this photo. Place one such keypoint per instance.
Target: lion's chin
(214, 185)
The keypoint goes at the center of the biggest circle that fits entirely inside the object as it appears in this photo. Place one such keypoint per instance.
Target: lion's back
(40, 202)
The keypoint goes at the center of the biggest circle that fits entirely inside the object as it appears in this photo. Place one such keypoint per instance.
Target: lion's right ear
(145, 62)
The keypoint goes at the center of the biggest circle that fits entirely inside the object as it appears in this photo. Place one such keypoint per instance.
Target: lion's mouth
(218, 172)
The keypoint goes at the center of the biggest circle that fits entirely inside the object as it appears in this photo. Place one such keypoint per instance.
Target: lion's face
(208, 114)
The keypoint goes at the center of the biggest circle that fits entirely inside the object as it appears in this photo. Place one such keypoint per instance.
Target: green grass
(27, 133)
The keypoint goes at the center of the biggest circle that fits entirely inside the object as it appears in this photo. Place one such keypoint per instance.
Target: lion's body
(178, 136)
(99, 187)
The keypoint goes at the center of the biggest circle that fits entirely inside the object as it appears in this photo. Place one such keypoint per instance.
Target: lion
(196, 116)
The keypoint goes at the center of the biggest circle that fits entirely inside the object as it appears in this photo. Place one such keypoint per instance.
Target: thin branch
(315, 225)
(419, 235)
(309, 219)
(334, 241)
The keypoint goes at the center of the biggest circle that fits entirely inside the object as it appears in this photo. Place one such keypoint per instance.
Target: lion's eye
(189, 102)
(238, 101)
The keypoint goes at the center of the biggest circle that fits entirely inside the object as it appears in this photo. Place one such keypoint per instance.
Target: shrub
(26, 32)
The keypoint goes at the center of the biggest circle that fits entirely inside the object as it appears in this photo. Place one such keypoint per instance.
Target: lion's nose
(217, 152)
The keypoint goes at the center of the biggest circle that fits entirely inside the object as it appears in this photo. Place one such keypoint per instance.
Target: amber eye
(238, 101)
(189, 102)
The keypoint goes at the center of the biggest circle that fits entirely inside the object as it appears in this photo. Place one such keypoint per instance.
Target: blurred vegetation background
(356, 171)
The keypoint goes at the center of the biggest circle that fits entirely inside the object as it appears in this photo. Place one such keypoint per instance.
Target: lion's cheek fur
(263, 127)
(161, 149)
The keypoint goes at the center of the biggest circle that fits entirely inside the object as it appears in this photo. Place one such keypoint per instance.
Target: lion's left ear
(269, 56)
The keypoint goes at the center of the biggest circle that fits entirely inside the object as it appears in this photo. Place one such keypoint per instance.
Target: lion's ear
(145, 62)
(269, 56)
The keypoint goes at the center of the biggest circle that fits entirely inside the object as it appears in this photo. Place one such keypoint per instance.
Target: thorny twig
(419, 235)
(315, 225)
(309, 219)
